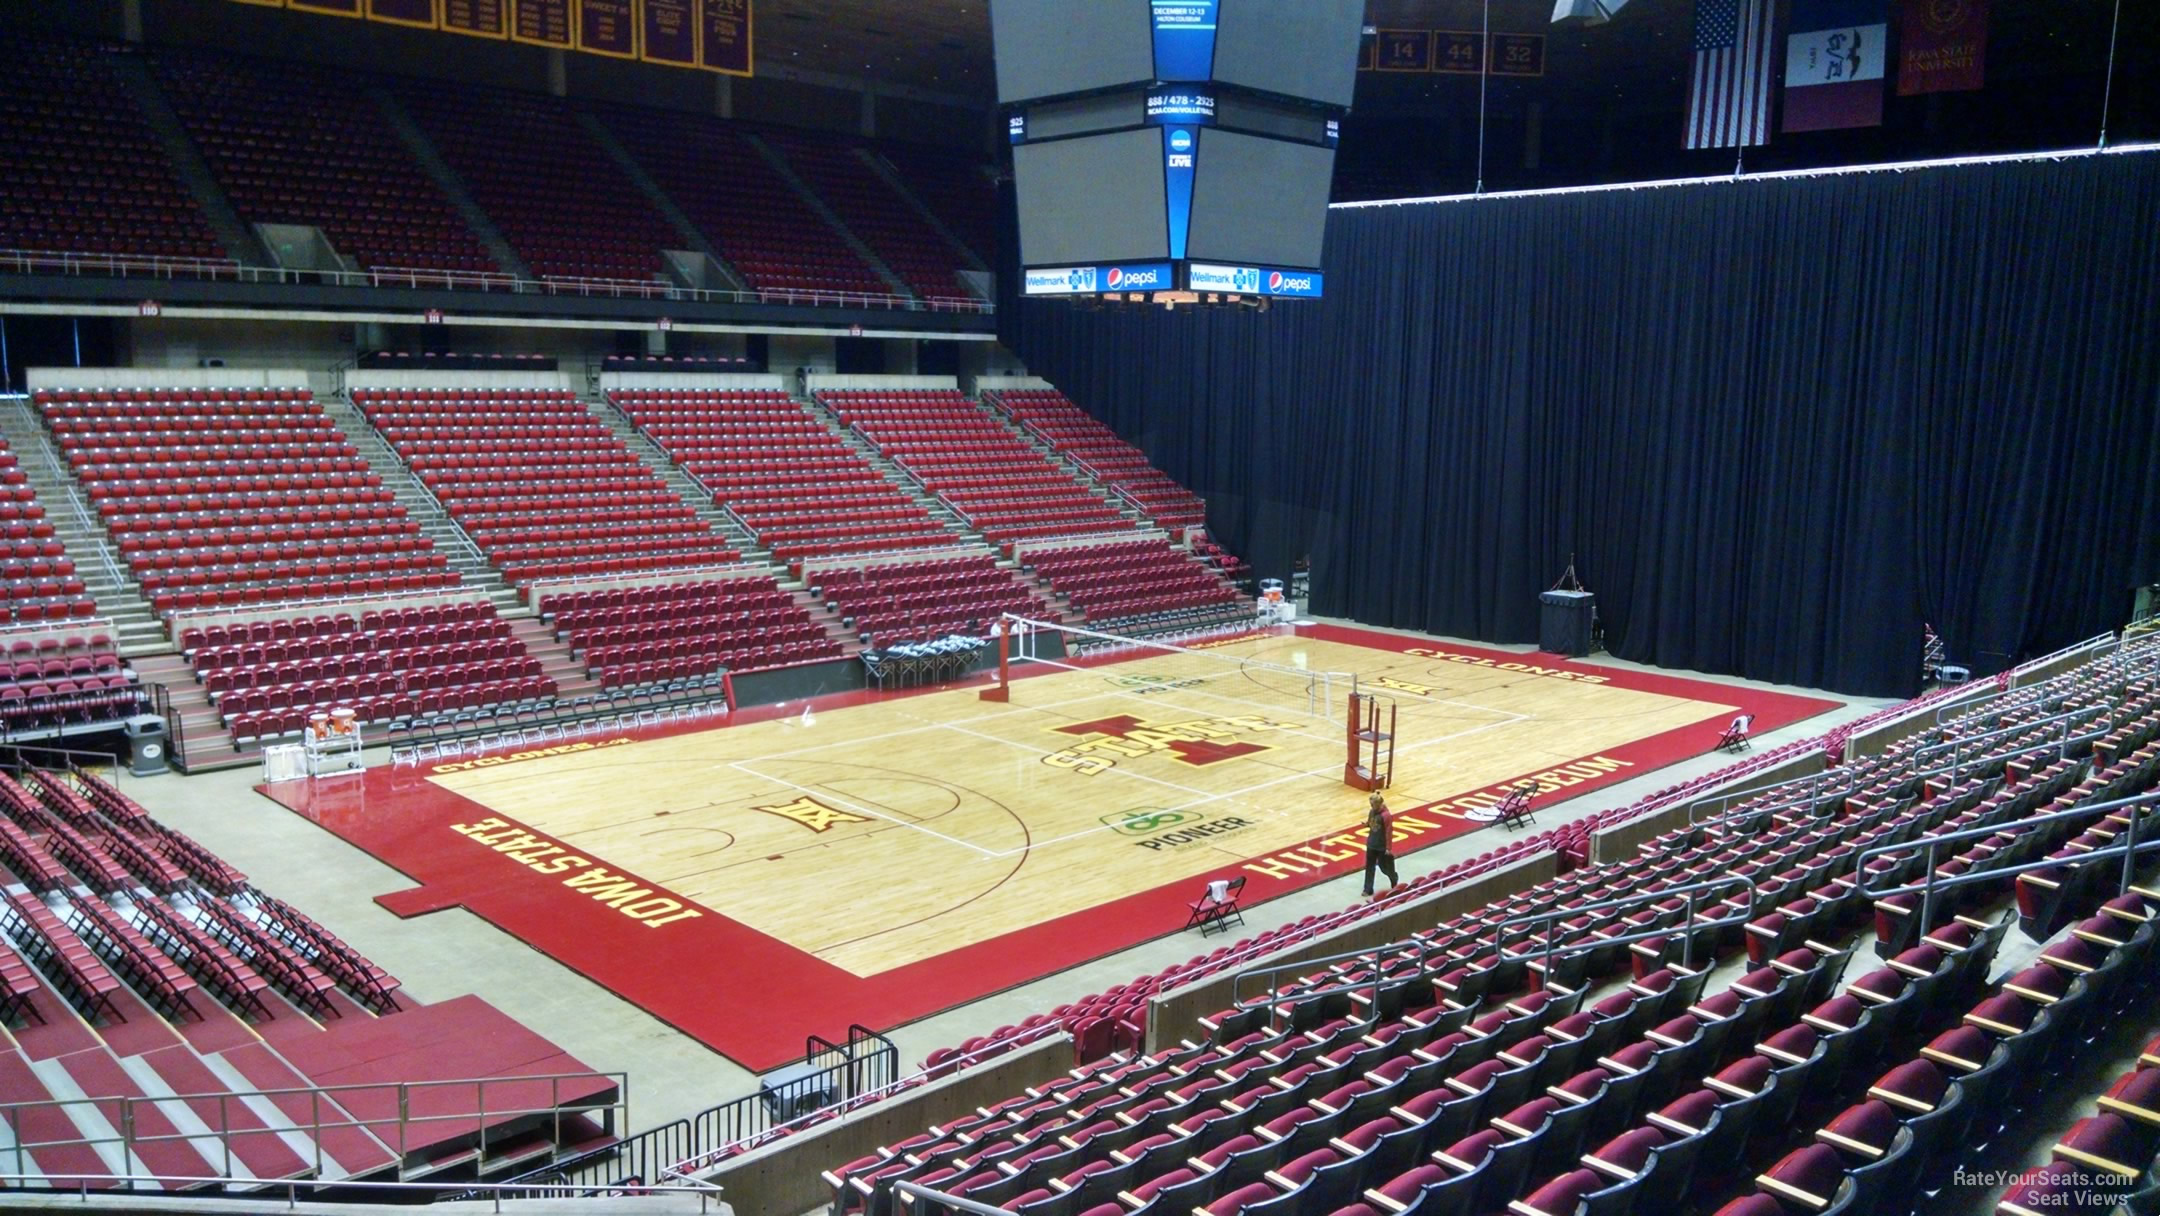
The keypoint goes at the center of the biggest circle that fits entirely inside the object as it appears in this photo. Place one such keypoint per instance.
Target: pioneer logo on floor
(1198, 833)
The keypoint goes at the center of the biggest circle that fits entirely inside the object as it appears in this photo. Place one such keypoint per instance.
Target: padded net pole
(1002, 689)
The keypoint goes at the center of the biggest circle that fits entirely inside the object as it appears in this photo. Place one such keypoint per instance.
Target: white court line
(851, 805)
(1202, 797)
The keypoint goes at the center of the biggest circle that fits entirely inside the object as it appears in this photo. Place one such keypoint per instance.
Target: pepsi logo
(1115, 277)
(1274, 280)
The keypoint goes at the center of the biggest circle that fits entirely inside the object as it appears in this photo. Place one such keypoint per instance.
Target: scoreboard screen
(1050, 47)
(1259, 200)
(1296, 48)
(1098, 199)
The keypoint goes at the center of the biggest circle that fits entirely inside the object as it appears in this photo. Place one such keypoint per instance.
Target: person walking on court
(1379, 851)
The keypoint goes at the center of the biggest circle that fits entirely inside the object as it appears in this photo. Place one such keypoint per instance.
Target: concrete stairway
(423, 151)
(205, 744)
(435, 523)
(899, 477)
(136, 628)
(880, 166)
(1101, 489)
(810, 198)
(556, 661)
(240, 241)
(692, 237)
(677, 479)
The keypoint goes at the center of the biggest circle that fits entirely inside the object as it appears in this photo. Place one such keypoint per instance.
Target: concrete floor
(451, 953)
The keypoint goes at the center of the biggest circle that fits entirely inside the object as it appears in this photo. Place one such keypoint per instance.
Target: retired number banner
(711, 34)
(480, 18)
(724, 45)
(420, 14)
(541, 23)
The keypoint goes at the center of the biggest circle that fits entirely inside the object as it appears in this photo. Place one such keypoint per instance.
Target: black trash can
(1564, 622)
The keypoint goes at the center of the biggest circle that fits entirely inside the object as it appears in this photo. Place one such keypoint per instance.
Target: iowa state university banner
(1942, 46)
(1834, 61)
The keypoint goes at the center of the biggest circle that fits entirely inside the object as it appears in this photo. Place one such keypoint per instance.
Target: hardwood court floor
(941, 838)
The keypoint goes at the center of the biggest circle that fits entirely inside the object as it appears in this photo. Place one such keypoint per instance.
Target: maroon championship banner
(607, 27)
(480, 18)
(668, 33)
(1456, 52)
(724, 42)
(329, 8)
(1942, 46)
(420, 14)
(1403, 51)
(1518, 55)
(541, 23)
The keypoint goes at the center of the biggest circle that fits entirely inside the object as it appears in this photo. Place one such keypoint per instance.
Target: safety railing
(119, 265)
(227, 1116)
(931, 1200)
(152, 266)
(2061, 746)
(2125, 845)
(1815, 787)
(539, 590)
(830, 1074)
(2066, 723)
(84, 1186)
(706, 1154)
(1539, 926)
(1546, 925)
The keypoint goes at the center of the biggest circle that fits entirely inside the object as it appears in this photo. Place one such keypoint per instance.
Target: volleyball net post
(1001, 637)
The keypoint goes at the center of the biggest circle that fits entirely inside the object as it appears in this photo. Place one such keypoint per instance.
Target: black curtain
(1779, 423)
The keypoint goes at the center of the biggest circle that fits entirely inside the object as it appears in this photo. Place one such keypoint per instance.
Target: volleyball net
(1210, 666)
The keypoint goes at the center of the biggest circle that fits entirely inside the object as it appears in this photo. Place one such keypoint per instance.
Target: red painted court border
(754, 998)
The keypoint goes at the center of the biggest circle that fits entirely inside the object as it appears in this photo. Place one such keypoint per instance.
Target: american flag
(1729, 99)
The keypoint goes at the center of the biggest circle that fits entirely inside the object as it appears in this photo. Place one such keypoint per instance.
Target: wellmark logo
(1200, 741)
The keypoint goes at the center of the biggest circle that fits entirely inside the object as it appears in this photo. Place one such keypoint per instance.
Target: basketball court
(880, 856)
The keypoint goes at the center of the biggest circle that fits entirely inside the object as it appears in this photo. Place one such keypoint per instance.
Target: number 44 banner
(1834, 64)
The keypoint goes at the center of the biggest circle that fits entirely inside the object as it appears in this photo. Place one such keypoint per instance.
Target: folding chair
(1735, 738)
(1216, 906)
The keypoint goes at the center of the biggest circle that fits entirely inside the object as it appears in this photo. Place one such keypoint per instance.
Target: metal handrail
(1848, 775)
(958, 1203)
(93, 529)
(572, 584)
(1377, 955)
(122, 265)
(1930, 846)
(1956, 769)
(707, 1192)
(1550, 920)
(1956, 747)
(124, 1118)
(460, 593)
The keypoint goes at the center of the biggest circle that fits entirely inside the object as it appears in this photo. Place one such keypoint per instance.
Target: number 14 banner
(1834, 64)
